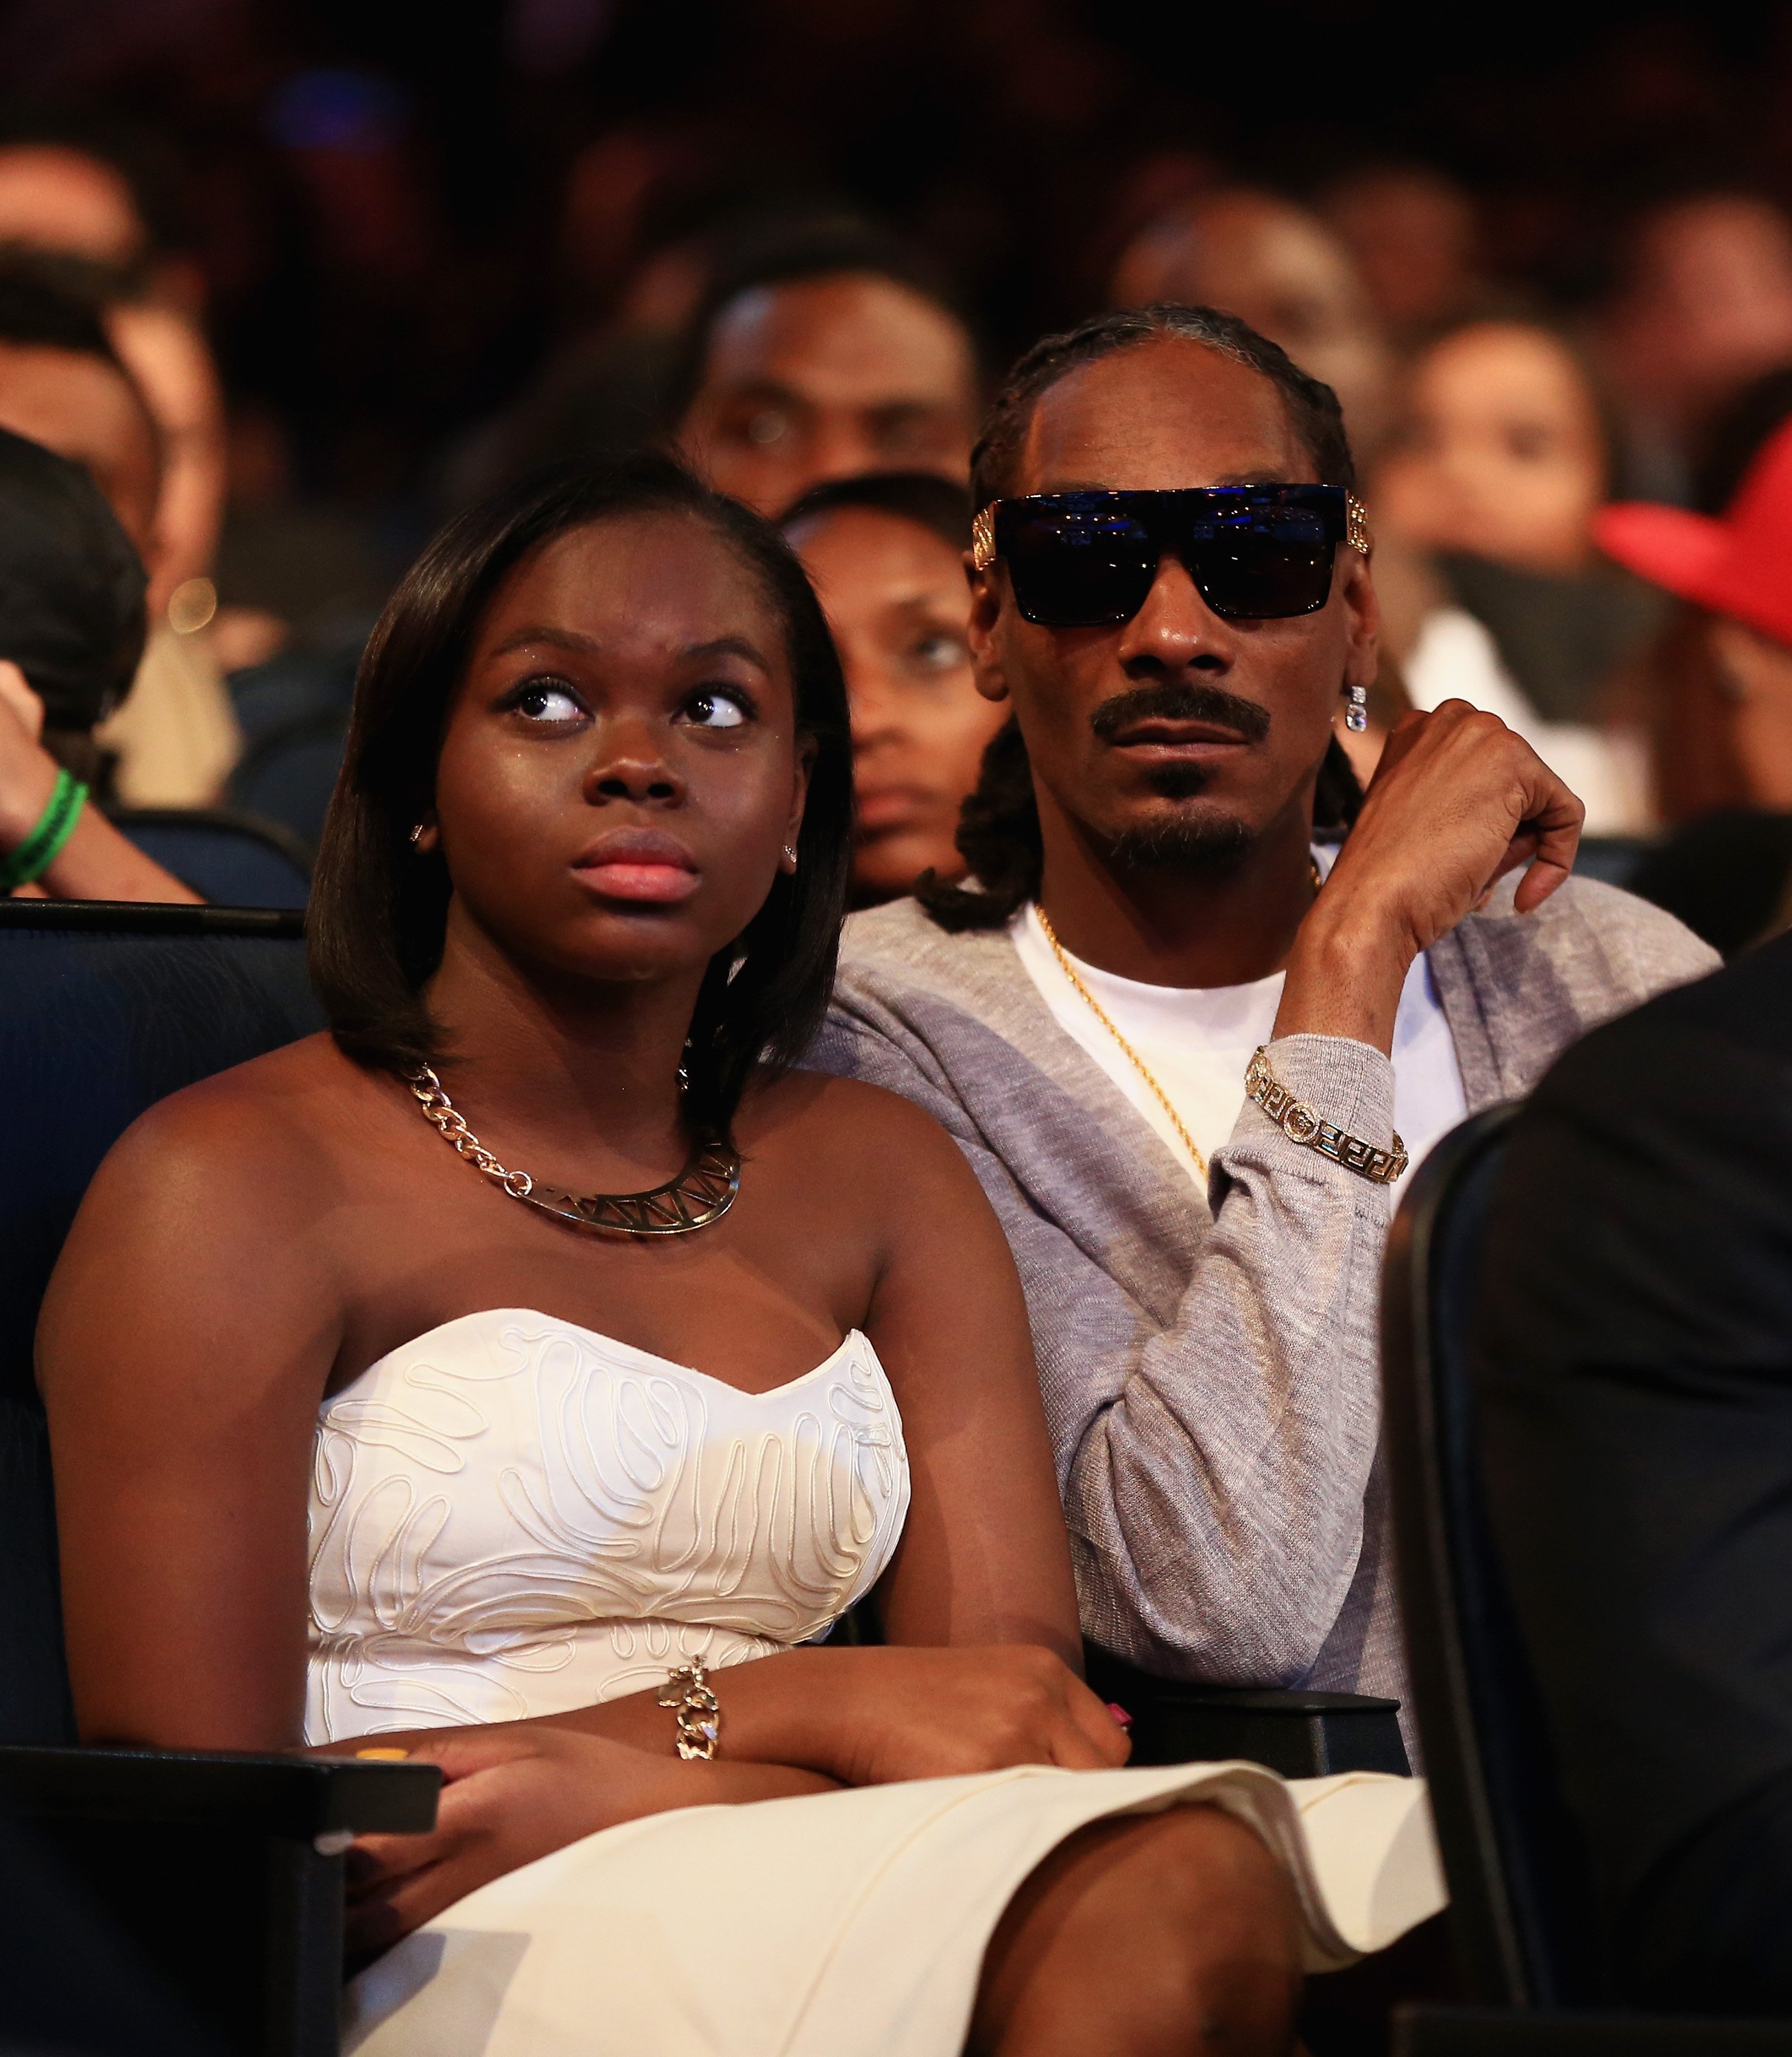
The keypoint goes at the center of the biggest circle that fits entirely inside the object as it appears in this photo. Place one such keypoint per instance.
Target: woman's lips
(665, 883)
(638, 865)
(880, 809)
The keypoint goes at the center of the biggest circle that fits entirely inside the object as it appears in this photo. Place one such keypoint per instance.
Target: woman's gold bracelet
(699, 1715)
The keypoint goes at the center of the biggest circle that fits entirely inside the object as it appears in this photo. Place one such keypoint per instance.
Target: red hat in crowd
(1740, 565)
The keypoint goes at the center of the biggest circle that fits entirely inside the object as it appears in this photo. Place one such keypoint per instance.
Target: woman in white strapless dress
(581, 1472)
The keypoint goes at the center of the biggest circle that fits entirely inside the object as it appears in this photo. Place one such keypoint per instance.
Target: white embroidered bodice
(512, 1515)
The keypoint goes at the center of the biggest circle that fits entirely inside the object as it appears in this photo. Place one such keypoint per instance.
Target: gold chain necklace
(1131, 1055)
(702, 1193)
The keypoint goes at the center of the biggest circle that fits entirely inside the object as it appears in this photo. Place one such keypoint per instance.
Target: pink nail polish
(1120, 1713)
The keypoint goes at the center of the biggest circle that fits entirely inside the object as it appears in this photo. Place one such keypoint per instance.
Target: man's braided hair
(998, 828)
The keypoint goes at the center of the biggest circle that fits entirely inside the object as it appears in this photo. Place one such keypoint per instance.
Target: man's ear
(980, 632)
(1362, 620)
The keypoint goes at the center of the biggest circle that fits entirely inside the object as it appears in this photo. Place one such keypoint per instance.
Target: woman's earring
(1356, 710)
(790, 855)
(417, 835)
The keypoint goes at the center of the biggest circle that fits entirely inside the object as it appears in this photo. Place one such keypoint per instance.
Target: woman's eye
(716, 710)
(540, 699)
(939, 653)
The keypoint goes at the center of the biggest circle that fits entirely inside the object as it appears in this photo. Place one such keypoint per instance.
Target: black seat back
(232, 859)
(104, 1009)
(1515, 1868)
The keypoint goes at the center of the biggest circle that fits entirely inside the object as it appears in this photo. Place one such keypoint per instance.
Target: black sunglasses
(1089, 560)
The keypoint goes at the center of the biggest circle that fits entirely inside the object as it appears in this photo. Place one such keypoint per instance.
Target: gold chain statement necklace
(701, 1193)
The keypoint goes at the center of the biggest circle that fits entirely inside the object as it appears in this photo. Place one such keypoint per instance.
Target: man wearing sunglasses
(1190, 1035)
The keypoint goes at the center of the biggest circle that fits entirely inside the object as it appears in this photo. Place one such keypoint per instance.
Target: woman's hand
(919, 1712)
(1457, 802)
(513, 1793)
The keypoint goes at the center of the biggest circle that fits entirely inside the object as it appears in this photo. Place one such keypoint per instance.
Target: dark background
(396, 210)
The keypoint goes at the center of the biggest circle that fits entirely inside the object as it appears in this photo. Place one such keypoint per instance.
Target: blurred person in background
(1701, 305)
(886, 553)
(820, 356)
(71, 632)
(75, 204)
(1279, 268)
(1722, 713)
(1415, 236)
(64, 382)
(1502, 458)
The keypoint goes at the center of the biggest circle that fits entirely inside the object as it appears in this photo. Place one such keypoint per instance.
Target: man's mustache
(1180, 701)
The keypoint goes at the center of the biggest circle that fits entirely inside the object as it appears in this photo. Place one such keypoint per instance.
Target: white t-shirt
(1198, 1040)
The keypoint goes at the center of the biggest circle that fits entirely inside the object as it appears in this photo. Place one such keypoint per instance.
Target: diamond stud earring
(790, 855)
(1356, 710)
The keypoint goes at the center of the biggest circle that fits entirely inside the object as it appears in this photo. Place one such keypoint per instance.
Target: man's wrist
(1345, 976)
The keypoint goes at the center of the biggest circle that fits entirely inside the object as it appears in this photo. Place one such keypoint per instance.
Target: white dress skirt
(512, 1516)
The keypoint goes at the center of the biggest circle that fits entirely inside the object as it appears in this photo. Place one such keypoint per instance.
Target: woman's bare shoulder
(857, 1136)
(267, 1122)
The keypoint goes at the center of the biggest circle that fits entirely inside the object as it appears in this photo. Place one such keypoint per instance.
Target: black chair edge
(280, 1796)
(1302, 1734)
(1483, 1919)
(147, 918)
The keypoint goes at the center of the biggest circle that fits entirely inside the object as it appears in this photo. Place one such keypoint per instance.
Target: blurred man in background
(829, 354)
(1416, 238)
(1280, 268)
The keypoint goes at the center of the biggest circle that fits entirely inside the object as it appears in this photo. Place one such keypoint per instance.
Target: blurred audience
(1416, 238)
(828, 354)
(1279, 268)
(65, 382)
(886, 553)
(1702, 305)
(57, 194)
(1496, 471)
(1722, 714)
(71, 632)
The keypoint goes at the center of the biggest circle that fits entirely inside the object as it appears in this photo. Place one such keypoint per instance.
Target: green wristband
(46, 841)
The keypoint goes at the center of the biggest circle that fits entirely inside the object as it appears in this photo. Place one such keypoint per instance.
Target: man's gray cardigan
(1212, 1379)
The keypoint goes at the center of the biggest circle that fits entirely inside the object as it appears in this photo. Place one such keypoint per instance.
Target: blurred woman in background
(1502, 459)
(885, 554)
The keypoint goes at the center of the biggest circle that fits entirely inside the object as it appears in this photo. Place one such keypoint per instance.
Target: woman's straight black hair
(378, 908)
(998, 828)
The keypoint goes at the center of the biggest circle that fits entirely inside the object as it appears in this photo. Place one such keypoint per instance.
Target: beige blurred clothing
(177, 733)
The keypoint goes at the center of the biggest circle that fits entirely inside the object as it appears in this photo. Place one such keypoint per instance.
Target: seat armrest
(1301, 1734)
(301, 1797)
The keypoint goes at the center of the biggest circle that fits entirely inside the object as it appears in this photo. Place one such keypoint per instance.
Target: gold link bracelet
(1302, 1122)
(699, 1716)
